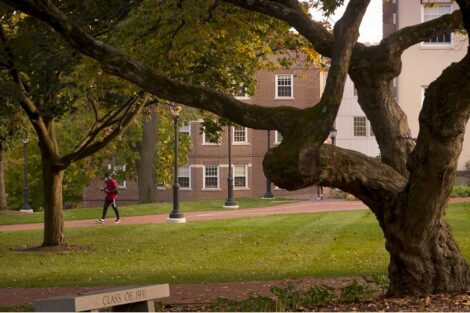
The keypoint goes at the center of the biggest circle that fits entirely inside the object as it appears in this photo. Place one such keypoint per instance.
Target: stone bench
(129, 298)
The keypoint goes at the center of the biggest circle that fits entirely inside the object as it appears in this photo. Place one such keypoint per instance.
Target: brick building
(205, 176)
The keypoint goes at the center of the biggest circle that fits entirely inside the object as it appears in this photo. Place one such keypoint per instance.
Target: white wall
(345, 125)
(422, 65)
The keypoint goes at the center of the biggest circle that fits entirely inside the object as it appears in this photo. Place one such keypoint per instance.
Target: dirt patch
(55, 249)
(198, 297)
(433, 303)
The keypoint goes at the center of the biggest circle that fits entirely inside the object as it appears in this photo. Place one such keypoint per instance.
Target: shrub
(460, 191)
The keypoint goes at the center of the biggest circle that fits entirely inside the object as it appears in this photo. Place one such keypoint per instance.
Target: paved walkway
(287, 208)
(326, 205)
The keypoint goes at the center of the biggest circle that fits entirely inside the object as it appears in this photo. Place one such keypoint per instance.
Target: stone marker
(128, 298)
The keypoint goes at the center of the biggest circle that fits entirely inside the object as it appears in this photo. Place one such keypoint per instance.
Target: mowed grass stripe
(274, 247)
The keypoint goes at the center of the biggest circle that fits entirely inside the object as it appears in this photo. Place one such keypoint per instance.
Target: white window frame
(208, 143)
(189, 176)
(437, 44)
(245, 96)
(277, 76)
(239, 142)
(277, 137)
(354, 127)
(245, 169)
(368, 129)
(204, 187)
(182, 129)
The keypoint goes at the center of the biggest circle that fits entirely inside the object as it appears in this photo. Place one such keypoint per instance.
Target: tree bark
(424, 258)
(146, 161)
(53, 202)
(3, 196)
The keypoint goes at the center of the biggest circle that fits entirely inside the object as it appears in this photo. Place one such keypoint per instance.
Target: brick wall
(306, 93)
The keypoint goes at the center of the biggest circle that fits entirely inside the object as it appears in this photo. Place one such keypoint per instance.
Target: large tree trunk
(53, 204)
(146, 161)
(3, 196)
(428, 262)
(424, 257)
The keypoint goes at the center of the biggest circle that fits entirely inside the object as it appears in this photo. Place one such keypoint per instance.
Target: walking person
(111, 190)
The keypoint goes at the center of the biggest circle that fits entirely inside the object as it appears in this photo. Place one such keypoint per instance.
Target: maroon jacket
(111, 189)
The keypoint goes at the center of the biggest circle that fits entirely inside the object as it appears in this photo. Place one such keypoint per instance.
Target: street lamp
(26, 207)
(333, 133)
(176, 216)
(268, 194)
(230, 203)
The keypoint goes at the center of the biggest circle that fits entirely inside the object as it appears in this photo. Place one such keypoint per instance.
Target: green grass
(14, 217)
(275, 247)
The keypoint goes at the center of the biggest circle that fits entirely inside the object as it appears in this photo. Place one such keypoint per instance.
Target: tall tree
(38, 76)
(407, 191)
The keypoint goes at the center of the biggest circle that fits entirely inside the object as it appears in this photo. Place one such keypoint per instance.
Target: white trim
(245, 167)
(245, 97)
(189, 176)
(245, 142)
(189, 128)
(423, 91)
(277, 97)
(205, 143)
(204, 178)
(276, 137)
(123, 185)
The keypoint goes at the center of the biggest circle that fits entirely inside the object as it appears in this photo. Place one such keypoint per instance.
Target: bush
(341, 194)
(460, 191)
(291, 300)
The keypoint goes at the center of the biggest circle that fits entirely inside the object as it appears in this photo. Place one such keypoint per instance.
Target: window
(360, 126)
(211, 177)
(240, 92)
(184, 177)
(431, 12)
(185, 129)
(284, 86)
(206, 140)
(277, 137)
(240, 134)
(240, 176)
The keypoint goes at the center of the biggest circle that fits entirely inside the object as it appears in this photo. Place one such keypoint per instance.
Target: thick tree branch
(367, 178)
(25, 101)
(404, 38)
(292, 13)
(118, 63)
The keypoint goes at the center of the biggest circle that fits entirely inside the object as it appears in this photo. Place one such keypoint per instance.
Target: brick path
(297, 207)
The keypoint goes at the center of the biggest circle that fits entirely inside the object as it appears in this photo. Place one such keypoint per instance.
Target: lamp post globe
(26, 206)
(176, 216)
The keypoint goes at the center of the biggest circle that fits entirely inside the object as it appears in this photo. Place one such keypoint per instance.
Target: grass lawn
(275, 247)
(15, 217)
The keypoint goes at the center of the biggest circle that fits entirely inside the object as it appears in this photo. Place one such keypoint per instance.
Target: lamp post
(176, 216)
(26, 207)
(230, 203)
(268, 194)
